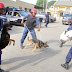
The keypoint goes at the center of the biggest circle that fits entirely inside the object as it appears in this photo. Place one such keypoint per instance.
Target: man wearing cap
(1, 25)
(47, 19)
(30, 26)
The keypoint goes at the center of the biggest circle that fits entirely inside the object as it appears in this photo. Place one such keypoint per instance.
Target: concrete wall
(17, 4)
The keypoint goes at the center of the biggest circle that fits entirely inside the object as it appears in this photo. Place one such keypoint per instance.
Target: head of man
(47, 13)
(29, 10)
(25, 9)
(34, 12)
(2, 8)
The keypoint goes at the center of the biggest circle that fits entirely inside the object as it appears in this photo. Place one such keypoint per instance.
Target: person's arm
(39, 27)
(38, 23)
(22, 21)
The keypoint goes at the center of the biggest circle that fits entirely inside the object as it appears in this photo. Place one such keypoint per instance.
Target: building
(61, 7)
(17, 4)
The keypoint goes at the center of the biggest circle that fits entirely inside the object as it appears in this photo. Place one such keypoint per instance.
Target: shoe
(46, 26)
(66, 66)
(61, 45)
(22, 45)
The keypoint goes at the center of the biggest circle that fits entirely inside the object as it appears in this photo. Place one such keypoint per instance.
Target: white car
(42, 17)
(15, 17)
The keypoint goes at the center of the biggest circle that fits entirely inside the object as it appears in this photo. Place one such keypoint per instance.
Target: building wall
(59, 10)
(17, 4)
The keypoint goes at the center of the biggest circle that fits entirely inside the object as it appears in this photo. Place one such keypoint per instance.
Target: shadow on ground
(34, 59)
(54, 41)
(16, 30)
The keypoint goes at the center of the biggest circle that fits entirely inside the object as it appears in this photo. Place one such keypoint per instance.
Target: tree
(40, 3)
(51, 3)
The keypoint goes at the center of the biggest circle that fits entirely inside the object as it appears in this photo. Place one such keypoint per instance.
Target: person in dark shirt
(31, 20)
(47, 19)
(69, 55)
(1, 25)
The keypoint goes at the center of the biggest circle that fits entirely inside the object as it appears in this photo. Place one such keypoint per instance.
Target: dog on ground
(37, 44)
(5, 36)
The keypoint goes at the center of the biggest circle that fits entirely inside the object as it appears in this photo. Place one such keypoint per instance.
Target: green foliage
(40, 3)
(51, 3)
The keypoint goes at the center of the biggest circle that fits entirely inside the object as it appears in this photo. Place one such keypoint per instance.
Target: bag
(63, 36)
(31, 23)
(69, 34)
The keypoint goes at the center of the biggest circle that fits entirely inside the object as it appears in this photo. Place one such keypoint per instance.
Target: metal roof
(38, 7)
(63, 3)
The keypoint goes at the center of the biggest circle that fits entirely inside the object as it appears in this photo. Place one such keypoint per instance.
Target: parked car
(15, 17)
(42, 17)
(5, 20)
(66, 17)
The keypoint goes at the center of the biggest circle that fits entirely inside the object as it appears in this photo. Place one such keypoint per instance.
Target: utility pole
(46, 3)
(43, 5)
(46, 6)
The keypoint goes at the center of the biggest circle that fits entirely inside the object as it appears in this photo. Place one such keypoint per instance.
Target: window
(16, 14)
(67, 9)
(9, 13)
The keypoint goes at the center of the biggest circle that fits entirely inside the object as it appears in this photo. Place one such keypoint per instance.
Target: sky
(34, 1)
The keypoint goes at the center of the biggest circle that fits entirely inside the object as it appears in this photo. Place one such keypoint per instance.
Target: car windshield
(67, 15)
(28, 12)
(43, 14)
(23, 13)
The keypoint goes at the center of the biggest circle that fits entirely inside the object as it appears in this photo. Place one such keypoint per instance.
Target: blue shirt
(47, 16)
(37, 21)
(70, 27)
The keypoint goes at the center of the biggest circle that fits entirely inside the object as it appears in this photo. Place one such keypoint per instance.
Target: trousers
(26, 30)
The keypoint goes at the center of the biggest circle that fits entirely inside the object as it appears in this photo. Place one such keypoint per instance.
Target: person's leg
(61, 45)
(24, 36)
(1, 70)
(47, 23)
(33, 34)
(69, 55)
(0, 58)
(68, 59)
